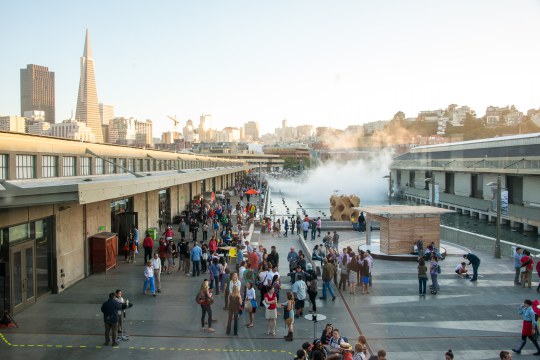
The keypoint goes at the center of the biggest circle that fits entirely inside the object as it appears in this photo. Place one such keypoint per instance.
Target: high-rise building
(205, 124)
(12, 123)
(87, 100)
(143, 133)
(106, 113)
(71, 129)
(35, 122)
(122, 131)
(37, 91)
(251, 130)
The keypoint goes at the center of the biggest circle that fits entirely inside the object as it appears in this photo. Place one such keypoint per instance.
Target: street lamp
(389, 177)
(432, 180)
(498, 227)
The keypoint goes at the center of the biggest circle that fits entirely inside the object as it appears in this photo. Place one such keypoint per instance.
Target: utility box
(103, 251)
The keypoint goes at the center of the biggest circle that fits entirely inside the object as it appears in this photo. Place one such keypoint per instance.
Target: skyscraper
(87, 101)
(251, 130)
(37, 91)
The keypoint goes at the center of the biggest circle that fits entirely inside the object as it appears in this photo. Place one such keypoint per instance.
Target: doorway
(23, 275)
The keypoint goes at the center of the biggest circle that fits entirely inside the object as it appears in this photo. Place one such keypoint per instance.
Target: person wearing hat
(346, 351)
(529, 325)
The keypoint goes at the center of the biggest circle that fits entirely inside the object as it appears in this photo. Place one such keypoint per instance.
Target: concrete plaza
(475, 320)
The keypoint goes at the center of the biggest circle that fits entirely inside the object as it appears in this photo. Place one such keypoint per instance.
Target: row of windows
(26, 165)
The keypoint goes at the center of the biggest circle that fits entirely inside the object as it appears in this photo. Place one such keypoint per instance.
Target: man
(518, 254)
(156, 263)
(118, 297)
(505, 355)
(298, 271)
(183, 248)
(182, 228)
(239, 256)
(273, 257)
(475, 262)
(305, 228)
(260, 253)
(286, 226)
(313, 229)
(335, 240)
(293, 222)
(110, 310)
(327, 241)
(148, 245)
(299, 290)
(253, 259)
(327, 277)
(420, 245)
(292, 258)
(369, 259)
(196, 254)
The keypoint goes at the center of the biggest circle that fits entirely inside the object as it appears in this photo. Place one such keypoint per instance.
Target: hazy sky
(326, 63)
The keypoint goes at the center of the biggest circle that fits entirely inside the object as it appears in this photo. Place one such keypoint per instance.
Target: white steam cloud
(363, 177)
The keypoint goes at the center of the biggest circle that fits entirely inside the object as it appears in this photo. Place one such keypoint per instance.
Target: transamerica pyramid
(87, 101)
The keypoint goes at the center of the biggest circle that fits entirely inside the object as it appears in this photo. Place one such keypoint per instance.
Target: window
(515, 190)
(131, 164)
(398, 172)
(427, 175)
(123, 166)
(110, 166)
(412, 179)
(3, 166)
(49, 166)
(68, 166)
(139, 165)
(85, 166)
(99, 168)
(25, 166)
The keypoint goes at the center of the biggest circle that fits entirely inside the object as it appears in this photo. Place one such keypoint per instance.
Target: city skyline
(308, 62)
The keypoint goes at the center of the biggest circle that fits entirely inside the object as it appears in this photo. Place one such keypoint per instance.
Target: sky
(324, 63)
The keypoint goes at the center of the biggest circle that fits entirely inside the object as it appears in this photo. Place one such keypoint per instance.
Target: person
(273, 257)
(449, 355)
(156, 264)
(234, 306)
(335, 240)
(344, 273)
(292, 258)
(182, 228)
(434, 272)
(214, 275)
(110, 309)
(505, 355)
(286, 227)
(170, 253)
(422, 277)
(133, 249)
(381, 355)
(205, 228)
(118, 297)
(475, 262)
(420, 245)
(305, 228)
(326, 334)
(517, 253)
(335, 341)
(185, 253)
(270, 301)
(169, 233)
(327, 276)
(250, 302)
(527, 263)
(149, 278)
(298, 225)
(528, 327)
(288, 316)
(299, 290)
(360, 352)
(301, 354)
(312, 288)
(206, 300)
(352, 271)
(195, 255)
(313, 226)
(461, 270)
(415, 249)
(319, 226)
(148, 245)
(364, 273)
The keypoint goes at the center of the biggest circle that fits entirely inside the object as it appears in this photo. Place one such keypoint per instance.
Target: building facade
(55, 194)
(251, 130)
(73, 130)
(106, 113)
(37, 91)
(13, 123)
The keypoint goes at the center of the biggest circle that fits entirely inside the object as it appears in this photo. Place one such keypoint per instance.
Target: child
(360, 351)
(461, 270)
(346, 351)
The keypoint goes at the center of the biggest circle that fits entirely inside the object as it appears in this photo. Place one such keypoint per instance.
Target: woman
(360, 349)
(234, 306)
(327, 334)
(422, 277)
(222, 271)
(277, 228)
(149, 278)
(125, 247)
(276, 284)
(263, 282)
(351, 266)
(204, 266)
(344, 273)
(132, 248)
(235, 281)
(312, 288)
(433, 271)
(169, 252)
(301, 261)
(205, 294)
(529, 324)
(250, 302)
(364, 274)
(270, 300)
(288, 316)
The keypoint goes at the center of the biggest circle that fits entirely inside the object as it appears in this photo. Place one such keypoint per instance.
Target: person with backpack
(205, 299)
(434, 271)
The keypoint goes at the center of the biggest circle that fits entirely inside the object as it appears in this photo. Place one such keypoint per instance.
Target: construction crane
(176, 122)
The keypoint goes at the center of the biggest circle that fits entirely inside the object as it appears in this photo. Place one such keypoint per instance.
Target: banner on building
(504, 201)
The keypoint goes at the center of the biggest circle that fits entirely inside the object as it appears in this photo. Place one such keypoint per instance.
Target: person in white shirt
(461, 270)
(235, 282)
(241, 271)
(157, 272)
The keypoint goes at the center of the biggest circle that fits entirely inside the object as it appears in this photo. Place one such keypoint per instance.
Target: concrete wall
(440, 179)
(531, 189)
(139, 207)
(70, 246)
(462, 184)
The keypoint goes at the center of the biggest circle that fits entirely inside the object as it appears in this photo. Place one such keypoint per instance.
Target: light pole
(432, 180)
(498, 227)
(389, 177)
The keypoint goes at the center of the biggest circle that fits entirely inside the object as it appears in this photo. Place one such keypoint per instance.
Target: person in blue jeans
(214, 275)
(327, 277)
(475, 262)
(433, 271)
(196, 255)
(422, 277)
(313, 229)
(305, 228)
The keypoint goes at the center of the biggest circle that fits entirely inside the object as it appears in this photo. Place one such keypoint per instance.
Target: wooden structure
(103, 251)
(402, 225)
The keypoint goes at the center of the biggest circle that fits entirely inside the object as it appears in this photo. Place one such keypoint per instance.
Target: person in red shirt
(212, 245)
(148, 245)
(168, 234)
(270, 299)
(254, 260)
(527, 263)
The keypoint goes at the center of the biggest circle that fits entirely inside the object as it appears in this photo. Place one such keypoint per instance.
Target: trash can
(153, 233)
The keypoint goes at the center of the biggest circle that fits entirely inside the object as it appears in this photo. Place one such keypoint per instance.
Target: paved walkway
(475, 320)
